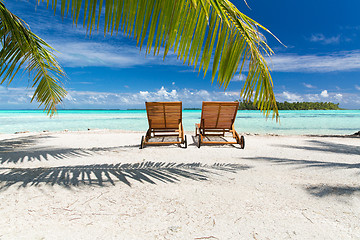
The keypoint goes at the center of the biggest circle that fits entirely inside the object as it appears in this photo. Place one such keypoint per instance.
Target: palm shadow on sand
(307, 163)
(109, 174)
(325, 190)
(324, 146)
(22, 149)
(317, 146)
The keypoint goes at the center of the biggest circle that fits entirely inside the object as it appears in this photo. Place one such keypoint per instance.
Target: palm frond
(23, 49)
(200, 32)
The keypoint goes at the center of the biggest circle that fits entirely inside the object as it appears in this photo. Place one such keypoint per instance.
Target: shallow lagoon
(291, 122)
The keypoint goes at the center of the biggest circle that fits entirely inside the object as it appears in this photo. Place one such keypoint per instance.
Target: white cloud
(189, 97)
(312, 97)
(291, 97)
(324, 94)
(163, 94)
(357, 87)
(338, 96)
(340, 61)
(239, 78)
(19, 98)
(10, 97)
(324, 40)
(308, 85)
(91, 53)
(189, 70)
(86, 83)
(144, 93)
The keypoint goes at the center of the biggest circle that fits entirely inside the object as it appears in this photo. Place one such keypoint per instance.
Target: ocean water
(291, 122)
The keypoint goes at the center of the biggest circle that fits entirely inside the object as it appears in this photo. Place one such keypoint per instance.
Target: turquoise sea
(291, 122)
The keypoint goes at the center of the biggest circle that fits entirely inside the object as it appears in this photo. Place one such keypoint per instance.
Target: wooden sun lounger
(217, 118)
(165, 119)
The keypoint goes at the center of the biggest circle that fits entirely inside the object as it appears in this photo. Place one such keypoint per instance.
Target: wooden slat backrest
(164, 115)
(218, 115)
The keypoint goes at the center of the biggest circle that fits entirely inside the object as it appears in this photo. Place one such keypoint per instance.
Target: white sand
(75, 185)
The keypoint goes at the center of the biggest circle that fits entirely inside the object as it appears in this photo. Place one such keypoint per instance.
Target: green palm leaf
(199, 31)
(23, 49)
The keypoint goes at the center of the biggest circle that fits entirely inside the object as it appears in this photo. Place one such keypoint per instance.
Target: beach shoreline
(99, 130)
(99, 184)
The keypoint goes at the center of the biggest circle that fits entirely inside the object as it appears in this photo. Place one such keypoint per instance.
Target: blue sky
(320, 63)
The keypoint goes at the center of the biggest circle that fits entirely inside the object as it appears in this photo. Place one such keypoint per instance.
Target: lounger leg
(240, 140)
(233, 131)
(200, 139)
(146, 139)
(148, 135)
(235, 134)
(181, 133)
(237, 137)
(142, 142)
(184, 137)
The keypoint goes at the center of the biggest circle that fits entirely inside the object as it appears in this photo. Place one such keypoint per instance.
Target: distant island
(294, 106)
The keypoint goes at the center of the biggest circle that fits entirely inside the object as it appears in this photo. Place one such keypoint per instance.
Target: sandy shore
(100, 185)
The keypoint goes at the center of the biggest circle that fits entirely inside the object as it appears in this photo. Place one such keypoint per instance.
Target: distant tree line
(244, 105)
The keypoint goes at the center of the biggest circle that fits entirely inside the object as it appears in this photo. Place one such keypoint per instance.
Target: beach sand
(100, 185)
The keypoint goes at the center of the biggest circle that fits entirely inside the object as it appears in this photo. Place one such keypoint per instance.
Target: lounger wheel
(199, 142)
(185, 142)
(142, 142)
(242, 142)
